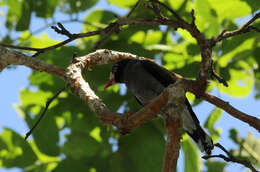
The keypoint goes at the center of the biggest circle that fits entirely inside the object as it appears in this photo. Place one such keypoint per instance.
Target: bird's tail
(203, 140)
(192, 126)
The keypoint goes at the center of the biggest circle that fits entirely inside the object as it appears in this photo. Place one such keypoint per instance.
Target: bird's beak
(111, 82)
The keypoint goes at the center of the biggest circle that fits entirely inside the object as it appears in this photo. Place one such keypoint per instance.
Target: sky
(13, 80)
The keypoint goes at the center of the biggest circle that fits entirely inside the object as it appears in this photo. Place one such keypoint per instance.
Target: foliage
(70, 137)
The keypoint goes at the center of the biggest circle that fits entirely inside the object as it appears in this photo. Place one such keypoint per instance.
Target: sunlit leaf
(37, 42)
(240, 84)
(123, 4)
(186, 35)
(249, 148)
(210, 122)
(206, 18)
(98, 19)
(14, 151)
(215, 166)
(191, 155)
(14, 13)
(223, 8)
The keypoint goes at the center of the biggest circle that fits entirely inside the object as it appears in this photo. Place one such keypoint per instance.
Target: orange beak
(111, 82)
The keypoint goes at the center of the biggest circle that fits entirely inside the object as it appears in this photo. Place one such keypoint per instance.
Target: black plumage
(146, 80)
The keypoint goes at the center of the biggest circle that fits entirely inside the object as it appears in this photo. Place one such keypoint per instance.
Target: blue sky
(12, 80)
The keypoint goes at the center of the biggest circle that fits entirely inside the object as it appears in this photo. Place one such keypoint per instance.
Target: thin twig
(230, 158)
(132, 10)
(244, 29)
(168, 8)
(193, 18)
(45, 110)
(19, 47)
(49, 102)
(215, 75)
(114, 27)
(62, 30)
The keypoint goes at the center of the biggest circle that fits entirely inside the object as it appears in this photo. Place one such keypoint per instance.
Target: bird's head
(117, 73)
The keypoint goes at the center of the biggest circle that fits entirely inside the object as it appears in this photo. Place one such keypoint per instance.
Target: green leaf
(119, 162)
(186, 36)
(224, 8)
(37, 42)
(98, 19)
(25, 18)
(215, 166)
(233, 134)
(70, 164)
(255, 5)
(46, 132)
(191, 155)
(14, 151)
(134, 149)
(44, 8)
(80, 5)
(240, 84)
(123, 4)
(234, 46)
(36, 100)
(178, 4)
(249, 148)
(257, 87)
(210, 122)
(153, 37)
(206, 19)
(79, 145)
(95, 133)
(14, 13)
(173, 61)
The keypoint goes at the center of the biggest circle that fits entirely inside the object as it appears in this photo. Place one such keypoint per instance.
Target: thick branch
(82, 88)
(99, 57)
(172, 147)
(8, 57)
(172, 114)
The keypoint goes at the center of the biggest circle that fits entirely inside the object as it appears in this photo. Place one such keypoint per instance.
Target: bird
(146, 80)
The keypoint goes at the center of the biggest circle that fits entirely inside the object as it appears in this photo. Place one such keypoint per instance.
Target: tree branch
(104, 56)
(193, 87)
(115, 27)
(44, 111)
(230, 158)
(8, 57)
(172, 114)
(204, 44)
(243, 29)
(172, 147)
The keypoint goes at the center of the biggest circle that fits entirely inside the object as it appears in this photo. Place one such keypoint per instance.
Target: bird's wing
(139, 101)
(158, 72)
(165, 78)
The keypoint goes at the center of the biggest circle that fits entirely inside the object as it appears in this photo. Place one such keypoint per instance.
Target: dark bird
(146, 80)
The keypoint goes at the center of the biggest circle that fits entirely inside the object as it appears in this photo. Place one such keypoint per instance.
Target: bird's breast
(144, 86)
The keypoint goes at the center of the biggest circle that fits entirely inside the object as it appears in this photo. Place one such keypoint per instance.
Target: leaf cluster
(70, 137)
